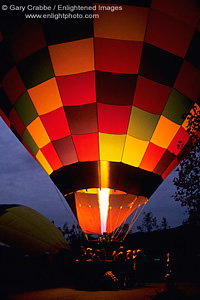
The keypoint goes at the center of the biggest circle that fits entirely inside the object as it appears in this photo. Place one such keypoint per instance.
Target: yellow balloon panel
(44, 163)
(111, 146)
(73, 57)
(46, 96)
(134, 151)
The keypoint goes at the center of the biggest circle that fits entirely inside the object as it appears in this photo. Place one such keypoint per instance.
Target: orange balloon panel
(45, 96)
(164, 132)
(38, 133)
(72, 58)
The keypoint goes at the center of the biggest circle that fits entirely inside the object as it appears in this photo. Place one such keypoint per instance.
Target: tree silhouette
(164, 224)
(73, 235)
(187, 182)
(149, 223)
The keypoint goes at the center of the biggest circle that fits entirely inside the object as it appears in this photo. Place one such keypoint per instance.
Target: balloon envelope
(24, 228)
(101, 102)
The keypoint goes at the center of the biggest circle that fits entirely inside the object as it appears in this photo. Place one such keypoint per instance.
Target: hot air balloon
(101, 101)
(24, 228)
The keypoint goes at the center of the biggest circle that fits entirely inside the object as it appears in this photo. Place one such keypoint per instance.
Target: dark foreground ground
(61, 277)
(157, 291)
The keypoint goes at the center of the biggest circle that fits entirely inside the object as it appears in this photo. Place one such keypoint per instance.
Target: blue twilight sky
(23, 181)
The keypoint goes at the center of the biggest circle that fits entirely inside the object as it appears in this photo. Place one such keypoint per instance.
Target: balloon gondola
(101, 103)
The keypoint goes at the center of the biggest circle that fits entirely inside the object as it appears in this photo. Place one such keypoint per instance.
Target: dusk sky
(23, 181)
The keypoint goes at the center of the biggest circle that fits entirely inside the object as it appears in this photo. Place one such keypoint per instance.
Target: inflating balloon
(101, 102)
(24, 228)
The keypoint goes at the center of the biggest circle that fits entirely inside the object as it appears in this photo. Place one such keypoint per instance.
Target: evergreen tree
(164, 224)
(187, 182)
(149, 223)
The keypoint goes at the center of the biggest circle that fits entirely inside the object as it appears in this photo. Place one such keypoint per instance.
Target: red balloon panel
(116, 89)
(151, 157)
(150, 96)
(168, 33)
(113, 119)
(66, 150)
(186, 81)
(117, 56)
(27, 40)
(170, 168)
(17, 122)
(18, 88)
(164, 162)
(87, 146)
(186, 11)
(52, 157)
(179, 141)
(77, 89)
(82, 119)
(56, 124)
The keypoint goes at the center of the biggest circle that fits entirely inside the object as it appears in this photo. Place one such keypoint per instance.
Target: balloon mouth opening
(103, 202)
(105, 210)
